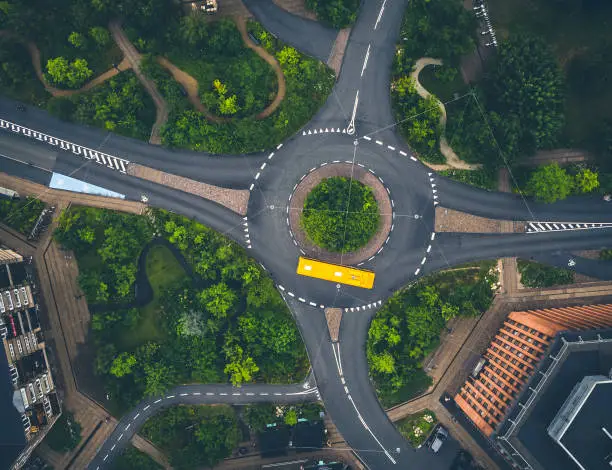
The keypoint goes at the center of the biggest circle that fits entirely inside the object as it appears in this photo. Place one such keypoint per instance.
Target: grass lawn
(417, 386)
(572, 33)
(444, 90)
(417, 427)
(163, 270)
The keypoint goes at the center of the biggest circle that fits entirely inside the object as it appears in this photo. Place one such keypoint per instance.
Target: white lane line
(412, 158)
(279, 146)
(291, 294)
(379, 142)
(252, 186)
(257, 175)
(270, 156)
(157, 401)
(170, 396)
(223, 394)
(390, 147)
(423, 260)
(105, 457)
(367, 137)
(278, 394)
(136, 417)
(370, 431)
(346, 390)
(403, 154)
(428, 248)
(146, 408)
(236, 394)
(249, 394)
(365, 61)
(382, 9)
(416, 273)
(263, 165)
(433, 235)
(127, 427)
(113, 448)
(197, 394)
(302, 299)
(120, 437)
(264, 394)
(184, 394)
(210, 394)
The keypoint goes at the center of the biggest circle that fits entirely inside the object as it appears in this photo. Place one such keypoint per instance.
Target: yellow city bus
(335, 273)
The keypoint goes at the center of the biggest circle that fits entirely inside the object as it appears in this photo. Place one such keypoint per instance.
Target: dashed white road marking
(105, 457)
(113, 448)
(127, 427)
(120, 437)
(365, 61)
(146, 408)
(136, 417)
(209, 394)
(382, 9)
(367, 137)
(157, 401)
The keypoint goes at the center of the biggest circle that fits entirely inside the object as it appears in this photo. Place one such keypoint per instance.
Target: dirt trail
(134, 58)
(241, 24)
(191, 87)
(36, 63)
(452, 160)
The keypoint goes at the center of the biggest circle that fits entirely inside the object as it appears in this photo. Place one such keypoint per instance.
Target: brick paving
(450, 220)
(337, 54)
(234, 199)
(333, 317)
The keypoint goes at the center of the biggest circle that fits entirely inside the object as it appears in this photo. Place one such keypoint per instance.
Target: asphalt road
(360, 102)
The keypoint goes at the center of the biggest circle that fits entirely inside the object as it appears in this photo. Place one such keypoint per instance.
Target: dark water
(12, 440)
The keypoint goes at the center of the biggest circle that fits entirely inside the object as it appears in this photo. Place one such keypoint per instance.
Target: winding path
(452, 159)
(134, 58)
(36, 63)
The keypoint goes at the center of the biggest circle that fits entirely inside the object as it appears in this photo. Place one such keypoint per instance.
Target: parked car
(440, 436)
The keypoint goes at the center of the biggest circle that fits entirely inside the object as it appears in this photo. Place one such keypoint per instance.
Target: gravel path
(452, 160)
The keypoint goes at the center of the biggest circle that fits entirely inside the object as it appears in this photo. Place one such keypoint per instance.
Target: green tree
(240, 367)
(257, 416)
(527, 82)
(586, 181)
(100, 35)
(218, 300)
(73, 75)
(228, 106)
(123, 364)
(77, 40)
(291, 417)
(337, 13)
(540, 275)
(550, 183)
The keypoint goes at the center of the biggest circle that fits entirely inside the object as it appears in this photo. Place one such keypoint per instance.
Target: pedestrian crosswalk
(539, 227)
(109, 161)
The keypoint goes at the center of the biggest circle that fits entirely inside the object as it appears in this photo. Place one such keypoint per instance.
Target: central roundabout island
(340, 213)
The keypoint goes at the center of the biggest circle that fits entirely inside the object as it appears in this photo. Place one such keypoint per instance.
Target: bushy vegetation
(340, 214)
(419, 119)
(406, 329)
(119, 105)
(485, 178)
(550, 183)
(21, 214)
(442, 29)
(234, 81)
(605, 254)
(417, 427)
(222, 320)
(133, 459)
(18, 79)
(257, 416)
(65, 434)
(194, 436)
(541, 275)
(309, 82)
(337, 13)
(579, 36)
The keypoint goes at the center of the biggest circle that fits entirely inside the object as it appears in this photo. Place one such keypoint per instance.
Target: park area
(407, 328)
(185, 306)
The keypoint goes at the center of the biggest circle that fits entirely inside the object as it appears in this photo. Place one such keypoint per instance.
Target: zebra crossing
(539, 227)
(109, 161)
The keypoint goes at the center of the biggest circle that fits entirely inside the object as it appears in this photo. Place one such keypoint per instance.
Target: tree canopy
(408, 326)
(340, 214)
(194, 436)
(337, 13)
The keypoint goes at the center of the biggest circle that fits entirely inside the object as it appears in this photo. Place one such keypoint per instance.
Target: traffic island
(348, 171)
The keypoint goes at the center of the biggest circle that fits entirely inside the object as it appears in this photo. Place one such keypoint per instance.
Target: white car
(439, 438)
